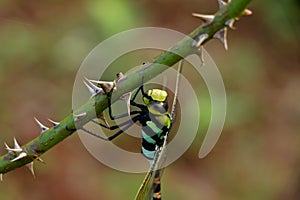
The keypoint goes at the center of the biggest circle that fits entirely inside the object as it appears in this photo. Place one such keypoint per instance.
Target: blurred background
(257, 156)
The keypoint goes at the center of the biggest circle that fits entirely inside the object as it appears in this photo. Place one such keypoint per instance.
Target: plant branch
(99, 103)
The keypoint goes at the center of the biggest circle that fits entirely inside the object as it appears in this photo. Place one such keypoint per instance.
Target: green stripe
(148, 138)
(148, 154)
(152, 125)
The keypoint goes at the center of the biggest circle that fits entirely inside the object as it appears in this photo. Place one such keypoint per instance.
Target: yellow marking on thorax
(164, 119)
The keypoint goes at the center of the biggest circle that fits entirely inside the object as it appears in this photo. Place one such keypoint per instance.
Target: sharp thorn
(16, 145)
(221, 3)
(120, 76)
(20, 156)
(200, 53)
(102, 117)
(222, 36)
(10, 150)
(126, 97)
(39, 159)
(247, 12)
(91, 90)
(79, 116)
(110, 83)
(201, 39)
(204, 18)
(42, 126)
(53, 122)
(30, 168)
(230, 23)
(107, 86)
(14, 150)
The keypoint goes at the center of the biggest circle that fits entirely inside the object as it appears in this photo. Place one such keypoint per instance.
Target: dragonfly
(156, 123)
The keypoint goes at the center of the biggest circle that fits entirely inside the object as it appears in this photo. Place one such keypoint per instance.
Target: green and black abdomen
(152, 136)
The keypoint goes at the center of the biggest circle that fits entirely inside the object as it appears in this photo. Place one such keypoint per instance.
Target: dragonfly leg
(116, 126)
(125, 114)
(127, 124)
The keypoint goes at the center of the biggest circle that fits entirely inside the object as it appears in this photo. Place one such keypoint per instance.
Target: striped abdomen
(152, 136)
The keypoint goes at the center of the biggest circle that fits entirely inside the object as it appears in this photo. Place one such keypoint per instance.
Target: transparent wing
(150, 188)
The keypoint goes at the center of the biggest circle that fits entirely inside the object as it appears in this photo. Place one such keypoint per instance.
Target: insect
(156, 123)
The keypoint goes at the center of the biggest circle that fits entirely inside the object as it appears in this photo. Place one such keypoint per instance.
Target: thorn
(42, 126)
(221, 3)
(247, 12)
(200, 53)
(90, 89)
(109, 83)
(126, 97)
(107, 86)
(102, 117)
(8, 148)
(230, 23)
(79, 116)
(1, 177)
(120, 75)
(201, 38)
(16, 145)
(53, 122)
(12, 150)
(30, 168)
(222, 36)
(39, 159)
(20, 156)
(205, 18)
(93, 89)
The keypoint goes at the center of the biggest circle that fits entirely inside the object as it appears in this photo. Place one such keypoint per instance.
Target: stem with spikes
(215, 26)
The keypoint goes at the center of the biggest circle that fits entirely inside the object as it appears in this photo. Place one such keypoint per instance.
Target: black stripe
(157, 189)
(148, 146)
(158, 141)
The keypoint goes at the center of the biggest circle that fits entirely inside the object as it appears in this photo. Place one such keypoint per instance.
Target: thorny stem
(66, 127)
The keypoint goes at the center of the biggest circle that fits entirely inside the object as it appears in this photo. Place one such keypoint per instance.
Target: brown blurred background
(257, 156)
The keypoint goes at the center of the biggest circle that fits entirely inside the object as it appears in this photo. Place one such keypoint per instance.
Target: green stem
(183, 48)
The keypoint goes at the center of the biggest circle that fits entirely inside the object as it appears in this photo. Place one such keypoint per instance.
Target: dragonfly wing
(150, 188)
(145, 187)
